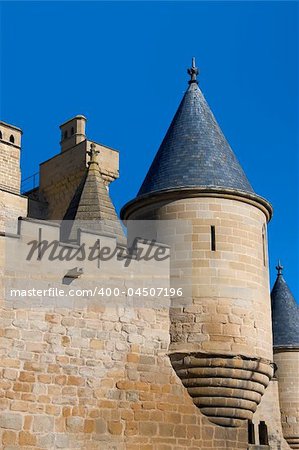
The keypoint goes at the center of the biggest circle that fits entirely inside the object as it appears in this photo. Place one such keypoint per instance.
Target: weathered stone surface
(11, 421)
(43, 424)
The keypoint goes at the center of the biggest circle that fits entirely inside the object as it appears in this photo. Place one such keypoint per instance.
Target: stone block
(11, 421)
(100, 426)
(9, 437)
(148, 428)
(43, 424)
(115, 427)
(26, 438)
(75, 424)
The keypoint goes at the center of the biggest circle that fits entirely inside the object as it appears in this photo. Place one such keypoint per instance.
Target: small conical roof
(91, 206)
(285, 314)
(194, 152)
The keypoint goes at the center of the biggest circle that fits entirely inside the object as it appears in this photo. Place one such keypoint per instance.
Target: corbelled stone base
(227, 389)
(293, 441)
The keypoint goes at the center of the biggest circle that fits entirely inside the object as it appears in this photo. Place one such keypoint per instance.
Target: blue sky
(123, 65)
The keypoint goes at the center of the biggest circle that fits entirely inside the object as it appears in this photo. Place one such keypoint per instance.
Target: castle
(206, 366)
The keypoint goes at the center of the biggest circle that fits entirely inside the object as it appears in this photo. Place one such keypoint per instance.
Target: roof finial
(279, 268)
(193, 72)
(93, 152)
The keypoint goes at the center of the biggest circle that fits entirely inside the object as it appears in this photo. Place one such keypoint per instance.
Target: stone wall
(10, 174)
(231, 302)
(269, 412)
(60, 176)
(93, 375)
(221, 342)
(97, 380)
(12, 206)
(287, 362)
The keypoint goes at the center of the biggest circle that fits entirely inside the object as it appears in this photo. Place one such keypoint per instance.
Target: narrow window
(213, 238)
(264, 245)
(263, 433)
(72, 131)
(12, 139)
(39, 254)
(1, 135)
(251, 437)
(65, 135)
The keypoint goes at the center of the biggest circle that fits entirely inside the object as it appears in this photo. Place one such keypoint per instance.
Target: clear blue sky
(123, 65)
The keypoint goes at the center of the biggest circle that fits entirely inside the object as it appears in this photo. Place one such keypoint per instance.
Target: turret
(12, 204)
(285, 320)
(61, 175)
(72, 132)
(221, 343)
(10, 148)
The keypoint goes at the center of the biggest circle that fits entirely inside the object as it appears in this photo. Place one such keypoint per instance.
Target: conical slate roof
(91, 207)
(285, 314)
(194, 152)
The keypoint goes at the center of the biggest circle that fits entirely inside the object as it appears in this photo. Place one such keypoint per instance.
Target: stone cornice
(180, 193)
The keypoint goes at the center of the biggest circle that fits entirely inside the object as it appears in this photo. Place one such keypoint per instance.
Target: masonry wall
(269, 412)
(59, 179)
(97, 380)
(100, 377)
(96, 375)
(10, 176)
(12, 206)
(61, 175)
(288, 378)
(221, 341)
(231, 301)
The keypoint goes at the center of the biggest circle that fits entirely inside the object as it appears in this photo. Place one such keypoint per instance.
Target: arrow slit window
(264, 242)
(213, 238)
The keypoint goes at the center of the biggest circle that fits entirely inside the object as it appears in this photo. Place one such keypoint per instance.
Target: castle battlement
(37, 258)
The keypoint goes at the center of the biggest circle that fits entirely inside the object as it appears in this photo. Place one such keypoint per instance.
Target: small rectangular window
(213, 238)
(263, 433)
(251, 436)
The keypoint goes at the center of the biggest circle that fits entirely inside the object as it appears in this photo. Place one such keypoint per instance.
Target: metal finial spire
(279, 268)
(93, 152)
(193, 72)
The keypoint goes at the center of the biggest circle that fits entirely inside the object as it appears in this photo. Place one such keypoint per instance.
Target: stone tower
(10, 147)
(12, 204)
(221, 344)
(285, 318)
(72, 132)
(61, 176)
